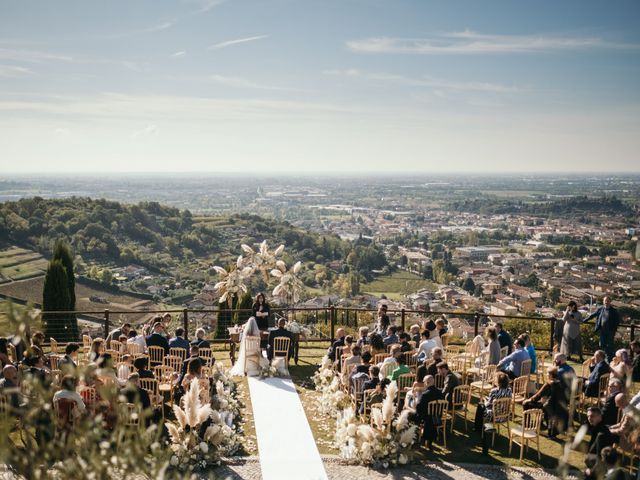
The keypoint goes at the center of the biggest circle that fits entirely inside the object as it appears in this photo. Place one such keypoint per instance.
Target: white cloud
(471, 43)
(148, 131)
(31, 56)
(236, 41)
(13, 71)
(427, 81)
(181, 53)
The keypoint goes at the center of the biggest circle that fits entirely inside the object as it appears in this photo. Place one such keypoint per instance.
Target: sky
(369, 86)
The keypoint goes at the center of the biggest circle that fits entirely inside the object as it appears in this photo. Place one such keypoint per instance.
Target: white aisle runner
(285, 442)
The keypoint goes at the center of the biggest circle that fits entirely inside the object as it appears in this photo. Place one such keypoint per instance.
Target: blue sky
(286, 85)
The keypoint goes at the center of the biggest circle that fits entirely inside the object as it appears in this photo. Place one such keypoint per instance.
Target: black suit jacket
(591, 389)
(334, 345)
(429, 395)
(279, 332)
(157, 340)
(610, 411)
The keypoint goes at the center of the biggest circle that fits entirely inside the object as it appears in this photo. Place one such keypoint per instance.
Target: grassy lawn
(397, 284)
(462, 447)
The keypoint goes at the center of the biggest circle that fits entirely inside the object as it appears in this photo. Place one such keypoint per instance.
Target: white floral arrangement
(268, 371)
(201, 435)
(333, 398)
(385, 443)
(295, 327)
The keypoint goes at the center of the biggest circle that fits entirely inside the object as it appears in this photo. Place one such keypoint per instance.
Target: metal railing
(323, 321)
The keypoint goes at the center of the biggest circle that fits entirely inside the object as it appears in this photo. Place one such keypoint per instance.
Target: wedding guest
(363, 333)
(512, 363)
(106, 371)
(392, 358)
(261, 311)
(560, 361)
(451, 381)
(179, 341)
(415, 393)
(134, 394)
(9, 386)
(364, 366)
(35, 349)
(352, 361)
(614, 401)
(391, 337)
(339, 342)
(4, 352)
(610, 460)
(194, 372)
(441, 326)
(280, 332)
(124, 367)
(484, 412)
(422, 416)
(531, 351)
(493, 346)
(383, 321)
(156, 339)
(200, 342)
(571, 340)
(436, 358)
(379, 392)
(377, 343)
(621, 366)
(597, 367)
(553, 400)
(67, 364)
(136, 339)
(38, 370)
(426, 346)
(166, 323)
(141, 364)
(600, 437)
(607, 321)
(68, 392)
(400, 369)
(405, 346)
(504, 338)
(97, 349)
(621, 431)
(434, 334)
(414, 331)
(374, 378)
(115, 334)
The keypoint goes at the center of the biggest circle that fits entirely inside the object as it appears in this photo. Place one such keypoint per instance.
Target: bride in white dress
(250, 352)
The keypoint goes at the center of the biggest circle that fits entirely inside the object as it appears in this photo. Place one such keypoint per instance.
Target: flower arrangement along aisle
(333, 398)
(201, 435)
(386, 442)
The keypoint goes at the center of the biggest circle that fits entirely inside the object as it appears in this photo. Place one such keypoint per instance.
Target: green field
(397, 284)
(18, 263)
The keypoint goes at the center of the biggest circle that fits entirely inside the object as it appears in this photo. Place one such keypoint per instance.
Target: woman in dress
(571, 342)
(261, 311)
(493, 346)
(250, 352)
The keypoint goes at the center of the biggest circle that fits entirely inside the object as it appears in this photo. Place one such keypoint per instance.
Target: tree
(469, 285)
(62, 252)
(55, 297)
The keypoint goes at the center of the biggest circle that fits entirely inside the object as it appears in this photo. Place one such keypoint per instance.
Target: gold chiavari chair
(174, 362)
(525, 368)
(461, 399)
(439, 381)
(411, 360)
(357, 392)
(529, 431)
(387, 369)
(487, 377)
(404, 382)
(151, 386)
(53, 344)
(135, 349)
(207, 355)
(156, 355)
(501, 410)
(53, 361)
(115, 345)
(86, 343)
(437, 409)
(252, 344)
(504, 351)
(165, 376)
(518, 392)
(281, 347)
(379, 357)
(178, 352)
(88, 395)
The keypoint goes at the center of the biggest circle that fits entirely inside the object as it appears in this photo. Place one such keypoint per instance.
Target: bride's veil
(250, 329)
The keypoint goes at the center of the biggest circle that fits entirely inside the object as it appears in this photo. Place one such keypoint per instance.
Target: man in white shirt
(426, 346)
(68, 392)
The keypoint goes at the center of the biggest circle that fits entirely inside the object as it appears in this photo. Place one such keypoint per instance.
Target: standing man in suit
(279, 332)
(607, 322)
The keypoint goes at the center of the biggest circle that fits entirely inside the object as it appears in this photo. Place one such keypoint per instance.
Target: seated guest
(97, 349)
(35, 349)
(512, 363)
(531, 351)
(405, 346)
(9, 386)
(598, 367)
(484, 412)
(504, 338)
(141, 364)
(415, 393)
(426, 346)
(565, 371)
(352, 361)
(451, 381)
(436, 358)
(115, 334)
(391, 337)
(179, 341)
(377, 344)
(279, 333)
(194, 372)
(374, 378)
(137, 339)
(67, 364)
(339, 342)
(493, 346)
(156, 339)
(414, 331)
(600, 435)
(379, 392)
(194, 353)
(68, 392)
(363, 334)
(614, 401)
(106, 372)
(38, 370)
(621, 366)
(4, 352)
(635, 362)
(400, 369)
(364, 366)
(553, 399)
(200, 342)
(610, 461)
(392, 359)
(421, 415)
(124, 368)
(441, 329)
(134, 394)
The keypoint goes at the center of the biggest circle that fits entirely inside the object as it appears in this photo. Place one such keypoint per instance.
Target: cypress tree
(55, 297)
(62, 252)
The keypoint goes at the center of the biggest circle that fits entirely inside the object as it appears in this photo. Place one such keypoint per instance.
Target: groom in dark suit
(279, 332)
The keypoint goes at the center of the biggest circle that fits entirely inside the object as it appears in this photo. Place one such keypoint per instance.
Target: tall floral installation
(384, 442)
(204, 433)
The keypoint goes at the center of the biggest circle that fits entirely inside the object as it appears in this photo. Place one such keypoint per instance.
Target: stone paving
(249, 469)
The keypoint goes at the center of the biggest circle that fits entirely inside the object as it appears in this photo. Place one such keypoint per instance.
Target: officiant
(261, 312)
